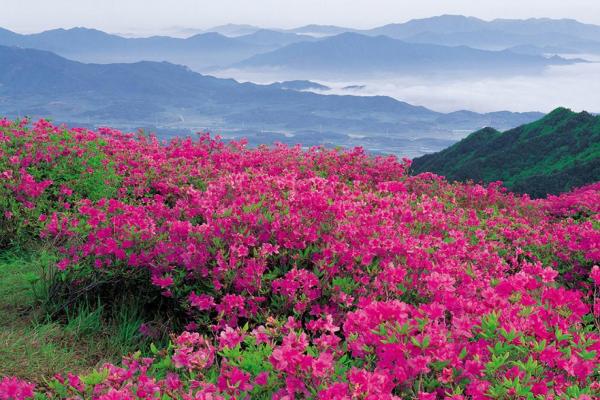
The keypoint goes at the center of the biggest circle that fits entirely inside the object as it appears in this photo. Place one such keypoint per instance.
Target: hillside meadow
(197, 269)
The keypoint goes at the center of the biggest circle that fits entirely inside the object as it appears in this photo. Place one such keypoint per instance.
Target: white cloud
(575, 86)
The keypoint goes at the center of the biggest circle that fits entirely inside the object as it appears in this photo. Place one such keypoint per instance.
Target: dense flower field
(320, 274)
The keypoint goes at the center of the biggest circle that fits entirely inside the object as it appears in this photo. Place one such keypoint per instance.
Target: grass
(34, 347)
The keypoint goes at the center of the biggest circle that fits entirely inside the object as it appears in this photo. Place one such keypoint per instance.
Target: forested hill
(548, 156)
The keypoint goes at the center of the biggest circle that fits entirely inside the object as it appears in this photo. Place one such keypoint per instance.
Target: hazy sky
(147, 16)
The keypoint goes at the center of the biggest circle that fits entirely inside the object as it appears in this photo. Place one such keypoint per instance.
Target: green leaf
(587, 355)
(95, 377)
(426, 342)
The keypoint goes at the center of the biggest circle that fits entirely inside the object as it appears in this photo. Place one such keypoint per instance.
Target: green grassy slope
(35, 347)
(548, 156)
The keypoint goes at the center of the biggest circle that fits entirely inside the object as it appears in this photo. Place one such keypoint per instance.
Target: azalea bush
(46, 171)
(326, 274)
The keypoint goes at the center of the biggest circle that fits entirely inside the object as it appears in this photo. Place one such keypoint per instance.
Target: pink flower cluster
(12, 388)
(324, 273)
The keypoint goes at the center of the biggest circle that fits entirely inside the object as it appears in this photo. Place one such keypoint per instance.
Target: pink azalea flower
(12, 388)
(595, 275)
(162, 281)
(202, 302)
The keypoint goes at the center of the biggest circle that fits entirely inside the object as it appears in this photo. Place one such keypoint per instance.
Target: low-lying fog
(575, 86)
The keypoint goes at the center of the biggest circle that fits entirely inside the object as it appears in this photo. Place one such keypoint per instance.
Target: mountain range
(198, 51)
(356, 53)
(446, 24)
(549, 156)
(431, 42)
(88, 77)
(173, 97)
(460, 30)
(553, 35)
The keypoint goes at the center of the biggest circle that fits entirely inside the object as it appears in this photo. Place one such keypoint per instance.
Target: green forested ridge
(548, 156)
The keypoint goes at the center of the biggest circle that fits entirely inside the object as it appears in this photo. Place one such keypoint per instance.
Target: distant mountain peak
(233, 30)
(209, 35)
(299, 85)
(450, 17)
(559, 111)
(75, 29)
